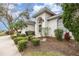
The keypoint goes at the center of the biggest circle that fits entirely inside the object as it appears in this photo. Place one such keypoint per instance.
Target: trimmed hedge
(19, 34)
(30, 37)
(59, 34)
(22, 44)
(19, 38)
(35, 42)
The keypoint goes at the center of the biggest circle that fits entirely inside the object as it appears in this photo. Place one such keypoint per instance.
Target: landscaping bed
(32, 46)
(22, 41)
(51, 45)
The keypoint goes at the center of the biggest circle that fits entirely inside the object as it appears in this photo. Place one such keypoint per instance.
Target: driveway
(7, 47)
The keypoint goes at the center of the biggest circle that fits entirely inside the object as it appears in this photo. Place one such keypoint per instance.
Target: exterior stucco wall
(47, 15)
(37, 33)
(52, 25)
(44, 16)
(28, 28)
(36, 29)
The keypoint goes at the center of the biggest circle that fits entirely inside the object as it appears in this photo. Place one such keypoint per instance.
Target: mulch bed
(53, 45)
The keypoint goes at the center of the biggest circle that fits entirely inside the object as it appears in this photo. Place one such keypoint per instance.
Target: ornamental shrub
(19, 38)
(22, 44)
(19, 34)
(59, 34)
(35, 42)
(30, 37)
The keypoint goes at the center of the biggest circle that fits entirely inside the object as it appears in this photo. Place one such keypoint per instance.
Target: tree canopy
(71, 18)
(7, 17)
(18, 25)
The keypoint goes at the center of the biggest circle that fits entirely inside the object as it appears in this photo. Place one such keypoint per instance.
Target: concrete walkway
(7, 47)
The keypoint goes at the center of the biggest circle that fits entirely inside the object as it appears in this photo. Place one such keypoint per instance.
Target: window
(40, 28)
(40, 20)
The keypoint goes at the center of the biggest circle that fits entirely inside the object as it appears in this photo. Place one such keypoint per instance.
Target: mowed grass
(43, 54)
(2, 33)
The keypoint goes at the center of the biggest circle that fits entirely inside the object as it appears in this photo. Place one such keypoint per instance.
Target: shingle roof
(30, 22)
(45, 9)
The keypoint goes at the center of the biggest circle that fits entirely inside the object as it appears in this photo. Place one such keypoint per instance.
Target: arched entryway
(40, 21)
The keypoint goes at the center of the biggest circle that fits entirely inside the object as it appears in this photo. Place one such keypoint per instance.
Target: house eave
(54, 17)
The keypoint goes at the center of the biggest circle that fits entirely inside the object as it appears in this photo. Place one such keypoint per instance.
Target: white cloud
(37, 8)
(54, 8)
(16, 14)
(11, 6)
(49, 4)
(13, 10)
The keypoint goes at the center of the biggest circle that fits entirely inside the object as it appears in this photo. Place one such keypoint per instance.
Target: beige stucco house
(43, 20)
(46, 22)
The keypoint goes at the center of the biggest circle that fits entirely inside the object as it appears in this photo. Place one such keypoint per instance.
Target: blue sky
(32, 7)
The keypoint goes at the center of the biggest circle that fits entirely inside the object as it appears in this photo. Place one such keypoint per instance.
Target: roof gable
(45, 9)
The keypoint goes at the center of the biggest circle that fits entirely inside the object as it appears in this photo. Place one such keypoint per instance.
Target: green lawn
(43, 54)
(2, 33)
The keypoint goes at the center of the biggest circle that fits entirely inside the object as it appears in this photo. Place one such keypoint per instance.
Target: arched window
(40, 20)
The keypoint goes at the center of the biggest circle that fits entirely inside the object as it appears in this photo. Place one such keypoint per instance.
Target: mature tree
(71, 18)
(4, 13)
(22, 15)
(18, 25)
